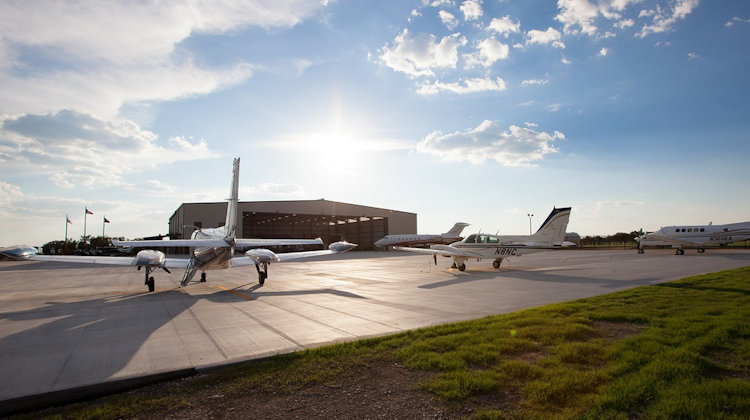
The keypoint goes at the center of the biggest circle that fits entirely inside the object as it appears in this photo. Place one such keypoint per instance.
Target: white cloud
(735, 20)
(488, 52)
(505, 25)
(439, 3)
(531, 82)
(472, 9)
(625, 23)
(275, 189)
(99, 55)
(418, 55)
(603, 52)
(550, 36)
(577, 13)
(693, 56)
(517, 146)
(579, 16)
(448, 19)
(76, 148)
(663, 20)
(553, 107)
(564, 60)
(463, 87)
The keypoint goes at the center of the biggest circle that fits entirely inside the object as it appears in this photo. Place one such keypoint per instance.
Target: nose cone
(381, 241)
(339, 247)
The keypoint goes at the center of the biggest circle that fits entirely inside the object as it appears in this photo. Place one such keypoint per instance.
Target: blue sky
(634, 112)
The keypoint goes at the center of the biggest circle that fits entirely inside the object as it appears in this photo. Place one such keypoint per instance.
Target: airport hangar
(329, 220)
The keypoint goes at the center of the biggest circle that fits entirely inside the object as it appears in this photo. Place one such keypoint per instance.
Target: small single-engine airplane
(694, 235)
(480, 246)
(451, 236)
(211, 249)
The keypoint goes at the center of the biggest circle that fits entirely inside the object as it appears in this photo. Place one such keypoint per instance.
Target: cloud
(625, 23)
(77, 148)
(550, 36)
(579, 16)
(663, 20)
(98, 55)
(488, 52)
(693, 56)
(735, 20)
(603, 52)
(418, 55)
(517, 146)
(505, 25)
(463, 87)
(448, 19)
(271, 188)
(531, 82)
(472, 10)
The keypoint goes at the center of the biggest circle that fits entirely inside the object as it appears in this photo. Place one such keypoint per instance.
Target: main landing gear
(262, 272)
(497, 263)
(149, 280)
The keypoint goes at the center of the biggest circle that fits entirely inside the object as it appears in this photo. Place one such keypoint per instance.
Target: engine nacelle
(339, 247)
(19, 252)
(150, 258)
(261, 255)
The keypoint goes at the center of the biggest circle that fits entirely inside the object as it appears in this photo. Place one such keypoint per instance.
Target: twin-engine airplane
(695, 235)
(452, 235)
(551, 235)
(211, 249)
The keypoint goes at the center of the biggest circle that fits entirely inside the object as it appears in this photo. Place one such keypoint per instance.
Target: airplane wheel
(641, 251)
(701, 250)
(150, 284)
(462, 267)
(679, 252)
(454, 265)
(496, 264)
(203, 277)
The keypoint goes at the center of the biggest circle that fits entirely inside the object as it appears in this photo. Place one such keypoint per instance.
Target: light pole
(530, 216)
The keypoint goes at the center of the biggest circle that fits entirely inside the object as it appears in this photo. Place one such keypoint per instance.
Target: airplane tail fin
(456, 229)
(553, 229)
(231, 223)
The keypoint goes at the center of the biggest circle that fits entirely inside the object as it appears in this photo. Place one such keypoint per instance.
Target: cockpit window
(471, 239)
(494, 239)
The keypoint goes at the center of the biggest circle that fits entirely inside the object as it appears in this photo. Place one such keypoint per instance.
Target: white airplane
(211, 249)
(695, 235)
(452, 235)
(480, 246)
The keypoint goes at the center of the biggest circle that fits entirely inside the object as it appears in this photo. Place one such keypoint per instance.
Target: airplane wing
(275, 242)
(446, 250)
(193, 243)
(256, 256)
(100, 260)
(245, 261)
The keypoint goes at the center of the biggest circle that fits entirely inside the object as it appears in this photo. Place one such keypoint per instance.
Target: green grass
(674, 350)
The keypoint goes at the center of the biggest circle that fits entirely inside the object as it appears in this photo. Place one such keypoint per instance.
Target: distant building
(330, 220)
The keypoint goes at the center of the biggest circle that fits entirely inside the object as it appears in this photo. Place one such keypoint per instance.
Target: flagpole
(103, 222)
(66, 227)
(85, 212)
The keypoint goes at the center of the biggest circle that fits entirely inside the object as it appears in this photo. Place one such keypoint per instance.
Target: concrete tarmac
(64, 326)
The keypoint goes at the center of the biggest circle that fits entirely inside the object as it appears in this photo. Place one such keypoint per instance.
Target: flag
(106, 220)
(88, 211)
(67, 220)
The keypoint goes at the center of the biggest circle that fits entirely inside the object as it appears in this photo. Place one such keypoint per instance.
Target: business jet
(452, 235)
(481, 246)
(695, 235)
(211, 249)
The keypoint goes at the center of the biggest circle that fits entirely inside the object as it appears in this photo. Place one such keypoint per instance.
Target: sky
(636, 113)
